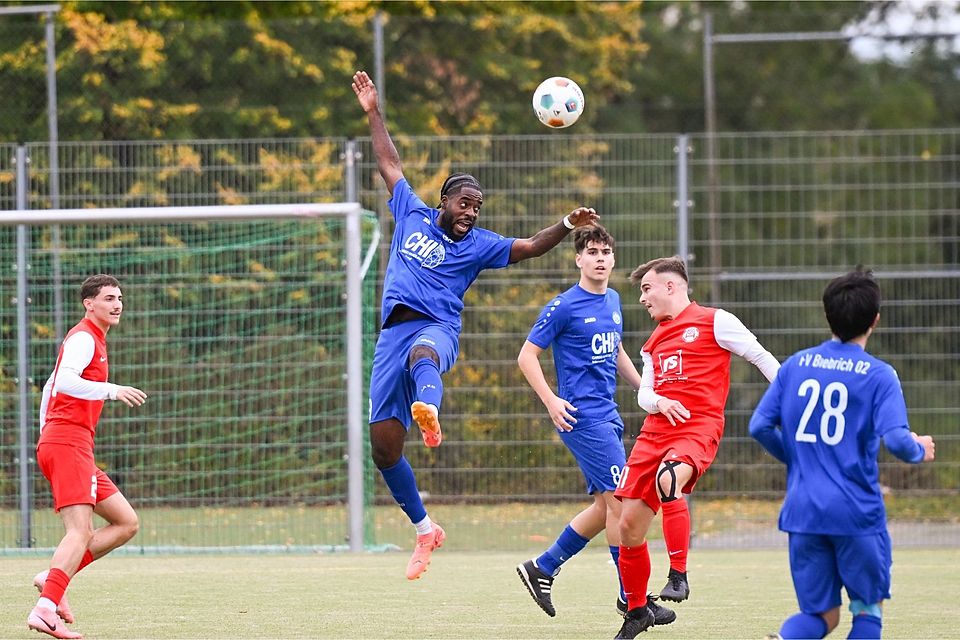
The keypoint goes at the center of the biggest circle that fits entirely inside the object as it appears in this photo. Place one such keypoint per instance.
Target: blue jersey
(427, 270)
(585, 330)
(832, 403)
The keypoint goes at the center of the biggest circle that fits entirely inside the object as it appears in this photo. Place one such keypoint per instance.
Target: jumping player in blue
(824, 417)
(584, 326)
(435, 256)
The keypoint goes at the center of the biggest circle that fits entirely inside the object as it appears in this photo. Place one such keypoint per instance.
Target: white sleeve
(45, 400)
(647, 398)
(77, 353)
(736, 338)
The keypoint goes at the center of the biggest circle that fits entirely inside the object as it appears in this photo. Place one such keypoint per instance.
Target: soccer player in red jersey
(684, 386)
(70, 408)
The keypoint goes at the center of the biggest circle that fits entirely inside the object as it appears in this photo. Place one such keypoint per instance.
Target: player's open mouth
(462, 227)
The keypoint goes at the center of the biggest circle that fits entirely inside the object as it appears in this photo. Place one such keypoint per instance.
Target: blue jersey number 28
(832, 421)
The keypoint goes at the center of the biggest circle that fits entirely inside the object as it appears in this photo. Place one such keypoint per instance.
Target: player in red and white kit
(72, 400)
(684, 387)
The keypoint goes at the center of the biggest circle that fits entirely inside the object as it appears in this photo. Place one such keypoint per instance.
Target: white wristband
(566, 222)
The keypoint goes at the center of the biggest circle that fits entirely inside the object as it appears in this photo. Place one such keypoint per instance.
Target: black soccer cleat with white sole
(539, 584)
(661, 615)
(677, 589)
(635, 622)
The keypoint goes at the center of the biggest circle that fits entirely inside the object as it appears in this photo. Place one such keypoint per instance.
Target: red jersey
(691, 367)
(73, 396)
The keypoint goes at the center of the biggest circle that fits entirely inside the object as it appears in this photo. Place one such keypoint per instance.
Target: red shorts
(73, 475)
(639, 477)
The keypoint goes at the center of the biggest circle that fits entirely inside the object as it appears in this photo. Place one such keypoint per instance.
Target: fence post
(683, 202)
(23, 339)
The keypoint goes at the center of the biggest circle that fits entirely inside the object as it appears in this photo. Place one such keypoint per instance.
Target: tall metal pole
(23, 370)
(378, 61)
(713, 182)
(683, 197)
(54, 176)
(354, 353)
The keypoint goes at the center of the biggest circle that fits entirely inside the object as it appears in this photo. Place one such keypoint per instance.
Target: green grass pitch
(735, 594)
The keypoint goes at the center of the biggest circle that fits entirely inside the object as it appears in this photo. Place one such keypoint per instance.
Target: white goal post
(356, 260)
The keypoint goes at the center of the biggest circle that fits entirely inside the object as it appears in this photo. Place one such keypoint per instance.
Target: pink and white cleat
(48, 622)
(426, 543)
(426, 418)
(63, 609)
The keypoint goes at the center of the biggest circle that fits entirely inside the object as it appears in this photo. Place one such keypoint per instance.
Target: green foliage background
(167, 70)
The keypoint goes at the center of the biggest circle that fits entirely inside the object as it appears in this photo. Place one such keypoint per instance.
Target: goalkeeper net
(240, 324)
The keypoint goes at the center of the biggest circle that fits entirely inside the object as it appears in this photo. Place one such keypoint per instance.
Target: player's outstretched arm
(546, 239)
(388, 160)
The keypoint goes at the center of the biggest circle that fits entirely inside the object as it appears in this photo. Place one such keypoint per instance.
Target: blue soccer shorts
(392, 389)
(598, 450)
(822, 564)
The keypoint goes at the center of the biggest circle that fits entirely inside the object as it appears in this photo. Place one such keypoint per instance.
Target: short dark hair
(592, 233)
(851, 303)
(673, 264)
(92, 285)
(457, 181)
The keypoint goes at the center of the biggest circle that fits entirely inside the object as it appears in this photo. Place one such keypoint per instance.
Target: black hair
(92, 285)
(851, 303)
(457, 181)
(592, 233)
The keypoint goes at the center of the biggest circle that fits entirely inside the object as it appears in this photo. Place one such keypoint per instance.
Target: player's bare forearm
(546, 239)
(388, 159)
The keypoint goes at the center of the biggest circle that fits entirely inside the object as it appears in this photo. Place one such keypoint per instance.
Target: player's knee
(384, 457)
(421, 352)
(131, 525)
(667, 483)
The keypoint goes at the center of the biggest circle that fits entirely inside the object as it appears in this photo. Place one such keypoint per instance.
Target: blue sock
(615, 554)
(569, 544)
(426, 375)
(865, 626)
(403, 487)
(803, 625)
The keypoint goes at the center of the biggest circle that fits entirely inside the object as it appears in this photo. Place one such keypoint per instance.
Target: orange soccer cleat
(426, 416)
(426, 543)
(48, 622)
(63, 609)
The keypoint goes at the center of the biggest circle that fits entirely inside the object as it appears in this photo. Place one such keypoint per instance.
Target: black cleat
(539, 584)
(634, 623)
(661, 615)
(676, 589)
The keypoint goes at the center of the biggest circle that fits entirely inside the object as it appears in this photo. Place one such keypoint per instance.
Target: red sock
(55, 585)
(676, 532)
(85, 560)
(635, 574)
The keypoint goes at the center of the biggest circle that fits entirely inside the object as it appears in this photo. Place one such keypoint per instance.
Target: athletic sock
(569, 544)
(635, 573)
(865, 626)
(676, 532)
(803, 625)
(403, 488)
(55, 586)
(424, 527)
(615, 554)
(426, 376)
(85, 560)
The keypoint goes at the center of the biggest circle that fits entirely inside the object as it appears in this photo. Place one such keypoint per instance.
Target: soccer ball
(558, 102)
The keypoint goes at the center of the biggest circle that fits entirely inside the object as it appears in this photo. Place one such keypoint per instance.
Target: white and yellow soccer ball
(558, 102)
